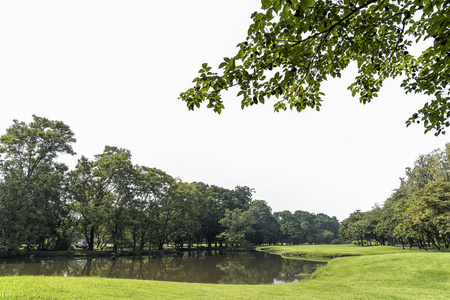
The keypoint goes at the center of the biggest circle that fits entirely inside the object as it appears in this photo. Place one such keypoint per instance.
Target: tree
(242, 197)
(239, 226)
(99, 192)
(117, 170)
(181, 210)
(287, 226)
(210, 212)
(87, 199)
(429, 168)
(266, 228)
(355, 227)
(304, 227)
(177, 215)
(417, 213)
(430, 213)
(150, 186)
(327, 228)
(294, 45)
(32, 199)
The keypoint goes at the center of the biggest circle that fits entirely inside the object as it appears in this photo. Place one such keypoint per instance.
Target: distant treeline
(417, 213)
(110, 201)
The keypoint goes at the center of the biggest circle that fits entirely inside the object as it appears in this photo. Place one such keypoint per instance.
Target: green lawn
(388, 273)
(332, 251)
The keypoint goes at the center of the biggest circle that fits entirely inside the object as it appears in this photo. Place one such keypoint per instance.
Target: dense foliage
(417, 213)
(108, 200)
(293, 46)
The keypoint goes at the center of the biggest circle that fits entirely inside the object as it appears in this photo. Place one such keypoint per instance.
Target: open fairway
(400, 274)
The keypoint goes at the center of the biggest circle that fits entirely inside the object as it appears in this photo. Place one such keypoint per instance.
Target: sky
(113, 71)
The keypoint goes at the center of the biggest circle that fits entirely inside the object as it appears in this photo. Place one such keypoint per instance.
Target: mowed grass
(332, 251)
(399, 274)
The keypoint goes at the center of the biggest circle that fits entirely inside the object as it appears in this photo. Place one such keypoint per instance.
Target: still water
(207, 267)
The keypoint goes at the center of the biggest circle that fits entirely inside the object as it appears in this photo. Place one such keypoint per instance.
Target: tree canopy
(108, 200)
(417, 213)
(32, 203)
(293, 46)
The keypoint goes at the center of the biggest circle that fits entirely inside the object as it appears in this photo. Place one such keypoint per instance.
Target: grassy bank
(326, 252)
(395, 274)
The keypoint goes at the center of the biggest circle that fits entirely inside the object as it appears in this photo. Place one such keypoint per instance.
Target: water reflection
(205, 267)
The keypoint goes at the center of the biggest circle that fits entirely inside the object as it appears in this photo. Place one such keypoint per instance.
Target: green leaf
(305, 4)
(240, 54)
(266, 4)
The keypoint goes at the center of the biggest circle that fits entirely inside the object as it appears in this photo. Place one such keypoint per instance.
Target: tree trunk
(436, 244)
(161, 245)
(446, 242)
(142, 242)
(134, 242)
(91, 239)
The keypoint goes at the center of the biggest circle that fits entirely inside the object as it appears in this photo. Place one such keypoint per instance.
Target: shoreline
(33, 254)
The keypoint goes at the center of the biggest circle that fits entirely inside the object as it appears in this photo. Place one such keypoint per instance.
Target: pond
(250, 267)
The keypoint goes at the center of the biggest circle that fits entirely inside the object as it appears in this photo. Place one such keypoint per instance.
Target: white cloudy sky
(113, 70)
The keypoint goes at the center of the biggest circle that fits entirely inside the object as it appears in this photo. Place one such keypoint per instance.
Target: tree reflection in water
(206, 267)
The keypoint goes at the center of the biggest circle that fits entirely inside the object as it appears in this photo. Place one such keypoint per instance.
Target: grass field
(371, 273)
(326, 252)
